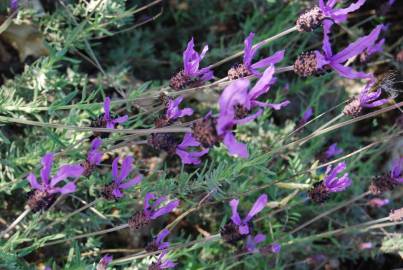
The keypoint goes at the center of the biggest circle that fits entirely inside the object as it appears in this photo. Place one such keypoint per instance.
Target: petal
(233, 94)
(66, 171)
(343, 12)
(117, 193)
(132, 182)
(107, 108)
(248, 51)
(263, 84)
(185, 112)
(167, 264)
(397, 167)
(259, 238)
(110, 125)
(188, 141)
(350, 73)
(358, 46)
(234, 208)
(96, 143)
(162, 235)
(249, 118)
(190, 157)
(243, 229)
(376, 103)
(149, 196)
(115, 169)
(321, 60)
(204, 51)
(94, 157)
(271, 60)
(205, 74)
(126, 168)
(327, 47)
(120, 119)
(68, 188)
(165, 210)
(257, 207)
(234, 147)
(376, 48)
(32, 181)
(47, 162)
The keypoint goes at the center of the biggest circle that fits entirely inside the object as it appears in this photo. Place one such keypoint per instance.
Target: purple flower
(333, 151)
(378, 202)
(190, 157)
(110, 123)
(173, 112)
(104, 262)
(191, 62)
(242, 224)
(370, 99)
(118, 185)
(48, 183)
(391, 2)
(338, 15)
(94, 156)
(336, 61)
(250, 52)
(235, 104)
(151, 210)
(157, 243)
(396, 172)
(14, 4)
(332, 182)
(161, 263)
(307, 115)
(251, 242)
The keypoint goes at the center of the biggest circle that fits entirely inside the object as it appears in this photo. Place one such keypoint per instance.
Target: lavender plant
(249, 132)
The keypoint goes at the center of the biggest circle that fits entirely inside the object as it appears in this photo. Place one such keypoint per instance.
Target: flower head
(190, 157)
(109, 121)
(310, 63)
(236, 103)
(151, 204)
(49, 183)
(191, 74)
(157, 243)
(242, 224)
(333, 151)
(162, 263)
(247, 68)
(104, 262)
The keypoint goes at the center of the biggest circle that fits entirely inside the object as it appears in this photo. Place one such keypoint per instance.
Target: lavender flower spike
(108, 120)
(330, 184)
(186, 156)
(191, 75)
(236, 103)
(48, 184)
(365, 99)
(333, 151)
(315, 62)
(162, 264)
(247, 68)
(104, 262)
(157, 243)
(242, 224)
(389, 181)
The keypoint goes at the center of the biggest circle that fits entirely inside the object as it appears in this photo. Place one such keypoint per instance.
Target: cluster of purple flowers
(158, 244)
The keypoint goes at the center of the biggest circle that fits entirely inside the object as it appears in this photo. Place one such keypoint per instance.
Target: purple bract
(334, 183)
(118, 184)
(110, 122)
(151, 210)
(190, 157)
(48, 183)
(333, 151)
(242, 224)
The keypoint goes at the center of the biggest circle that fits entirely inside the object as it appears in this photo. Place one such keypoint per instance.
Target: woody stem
(16, 222)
